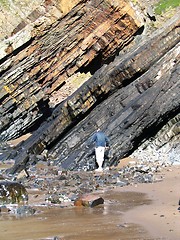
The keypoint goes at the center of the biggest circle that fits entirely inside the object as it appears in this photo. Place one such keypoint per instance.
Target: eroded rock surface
(126, 95)
(81, 41)
(125, 98)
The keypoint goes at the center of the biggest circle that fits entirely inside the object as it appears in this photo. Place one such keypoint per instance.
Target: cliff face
(15, 15)
(92, 67)
(37, 61)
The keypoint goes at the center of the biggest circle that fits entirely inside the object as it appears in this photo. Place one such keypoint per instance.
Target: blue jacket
(100, 139)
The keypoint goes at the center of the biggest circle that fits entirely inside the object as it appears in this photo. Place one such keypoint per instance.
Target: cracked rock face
(58, 74)
(16, 15)
(164, 146)
(38, 60)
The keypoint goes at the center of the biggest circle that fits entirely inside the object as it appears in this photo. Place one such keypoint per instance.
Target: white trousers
(99, 151)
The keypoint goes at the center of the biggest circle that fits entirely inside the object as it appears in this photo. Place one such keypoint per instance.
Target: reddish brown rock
(89, 201)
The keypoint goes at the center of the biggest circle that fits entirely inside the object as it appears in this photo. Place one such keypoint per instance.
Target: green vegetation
(4, 3)
(165, 5)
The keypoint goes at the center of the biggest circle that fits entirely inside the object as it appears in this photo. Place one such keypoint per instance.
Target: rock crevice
(128, 78)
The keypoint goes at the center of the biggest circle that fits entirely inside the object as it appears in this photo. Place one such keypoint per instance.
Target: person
(101, 142)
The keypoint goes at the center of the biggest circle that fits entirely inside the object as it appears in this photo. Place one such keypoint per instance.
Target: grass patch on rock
(165, 5)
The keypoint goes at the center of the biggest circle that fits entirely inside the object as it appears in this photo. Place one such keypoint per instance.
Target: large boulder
(12, 192)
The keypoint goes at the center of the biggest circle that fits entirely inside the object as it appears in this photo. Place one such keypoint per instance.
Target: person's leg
(99, 151)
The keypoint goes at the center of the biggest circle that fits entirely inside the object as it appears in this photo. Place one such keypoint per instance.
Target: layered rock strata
(129, 98)
(38, 60)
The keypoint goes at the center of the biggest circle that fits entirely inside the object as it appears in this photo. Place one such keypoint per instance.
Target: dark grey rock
(25, 211)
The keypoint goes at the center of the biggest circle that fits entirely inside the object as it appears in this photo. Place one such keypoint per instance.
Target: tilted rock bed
(64, 188)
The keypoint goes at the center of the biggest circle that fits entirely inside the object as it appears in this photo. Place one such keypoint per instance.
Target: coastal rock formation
(17, 15)
(126, 96)
(12, 192)
(37, 62)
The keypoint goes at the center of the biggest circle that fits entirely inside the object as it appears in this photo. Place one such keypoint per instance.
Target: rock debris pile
(64, 188)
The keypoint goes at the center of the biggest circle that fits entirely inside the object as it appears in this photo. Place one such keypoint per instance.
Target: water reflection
(77, 223)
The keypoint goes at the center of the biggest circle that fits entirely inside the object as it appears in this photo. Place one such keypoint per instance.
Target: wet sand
(104, 222)
(137, 212)
(161, 218)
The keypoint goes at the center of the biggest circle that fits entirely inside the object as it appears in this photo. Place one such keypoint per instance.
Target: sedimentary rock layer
(128, 116)
(136, 86)
(37, 61)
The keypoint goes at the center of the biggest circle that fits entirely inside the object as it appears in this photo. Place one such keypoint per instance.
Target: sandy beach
(142, 211)
(161, 218)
